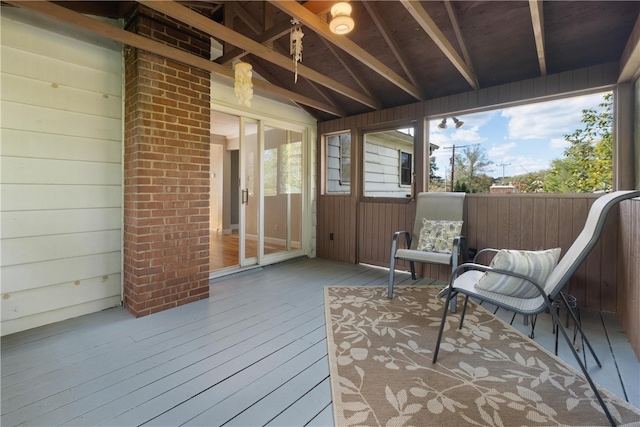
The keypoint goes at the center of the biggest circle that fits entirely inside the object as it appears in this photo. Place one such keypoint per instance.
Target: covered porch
(254, 353)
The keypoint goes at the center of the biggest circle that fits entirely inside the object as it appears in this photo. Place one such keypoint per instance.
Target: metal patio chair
(432, 207)
(466, 276)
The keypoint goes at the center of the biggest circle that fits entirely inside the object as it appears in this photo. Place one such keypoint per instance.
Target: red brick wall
(166, 182)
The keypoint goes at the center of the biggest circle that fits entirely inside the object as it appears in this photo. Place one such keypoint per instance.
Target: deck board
(254, 353)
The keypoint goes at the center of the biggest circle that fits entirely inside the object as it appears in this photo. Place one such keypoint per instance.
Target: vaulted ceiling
(401, 51)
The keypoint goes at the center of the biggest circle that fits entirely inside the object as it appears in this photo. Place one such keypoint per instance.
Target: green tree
(532, 182)
(587, 165)
(433, 168)
(471, 169)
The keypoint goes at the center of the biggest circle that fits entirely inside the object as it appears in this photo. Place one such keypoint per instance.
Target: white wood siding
(61, 172)
(334, 184)
(382, 167)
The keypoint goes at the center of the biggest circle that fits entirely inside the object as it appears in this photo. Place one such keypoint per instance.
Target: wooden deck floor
(253, 354)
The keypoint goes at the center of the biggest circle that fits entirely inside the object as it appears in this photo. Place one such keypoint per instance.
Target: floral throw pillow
(535, 264)
(437, 236)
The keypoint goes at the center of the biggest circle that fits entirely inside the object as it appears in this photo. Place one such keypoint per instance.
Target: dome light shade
(341, 22)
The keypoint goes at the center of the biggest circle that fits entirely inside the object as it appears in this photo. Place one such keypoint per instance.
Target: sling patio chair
(527, 282)
(436, 235)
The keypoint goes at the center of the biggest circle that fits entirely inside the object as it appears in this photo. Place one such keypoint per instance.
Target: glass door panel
(283, 184)
(249, 192)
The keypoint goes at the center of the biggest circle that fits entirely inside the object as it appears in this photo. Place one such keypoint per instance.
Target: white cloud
(548, 120)
(500, 151)
(470, 136)
(557, 143)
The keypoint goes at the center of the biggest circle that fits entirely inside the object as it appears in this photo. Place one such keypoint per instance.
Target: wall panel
(61, 173)
(628, 266)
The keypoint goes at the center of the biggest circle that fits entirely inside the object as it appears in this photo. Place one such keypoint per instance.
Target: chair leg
(560, 328)
(464, 310)
(576, 322)
(392, 270)
(442, 322)
(454, 302)
(412, 266)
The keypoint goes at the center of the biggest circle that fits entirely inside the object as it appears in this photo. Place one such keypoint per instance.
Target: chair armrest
(485, 250)
(480, 267)
(460, 248)
(396, 236)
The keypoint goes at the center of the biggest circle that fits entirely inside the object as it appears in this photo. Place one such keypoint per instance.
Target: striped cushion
(535, 264)
(437, 236)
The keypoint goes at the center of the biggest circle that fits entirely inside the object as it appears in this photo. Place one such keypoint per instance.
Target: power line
(503, 165)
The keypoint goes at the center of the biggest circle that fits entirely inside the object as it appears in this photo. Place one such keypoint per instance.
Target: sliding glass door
(283, 190)
(272, 192)
(250, 194)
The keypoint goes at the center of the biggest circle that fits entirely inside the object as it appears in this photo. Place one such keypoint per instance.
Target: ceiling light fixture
(443, 123)
(341, 22)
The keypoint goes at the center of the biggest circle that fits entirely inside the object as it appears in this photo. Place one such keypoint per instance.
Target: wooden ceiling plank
(268, 36)
(103, 29)
(630, 58)
(341, 57)
(321, 28)
(429, 26)
(395, 48)
(537, 20)
(455, 22)
(241, 13)
(194, 19)
(275, 81)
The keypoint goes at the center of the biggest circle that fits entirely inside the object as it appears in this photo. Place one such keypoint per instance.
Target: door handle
(245, 196)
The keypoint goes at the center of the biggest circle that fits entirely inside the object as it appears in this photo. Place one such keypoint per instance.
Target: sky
(523, 139)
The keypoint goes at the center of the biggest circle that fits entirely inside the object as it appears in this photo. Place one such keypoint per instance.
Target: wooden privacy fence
(353, 231)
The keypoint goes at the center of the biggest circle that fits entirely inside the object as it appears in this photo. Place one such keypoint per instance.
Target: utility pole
(503, 165)
(453, 159)
(453, 163)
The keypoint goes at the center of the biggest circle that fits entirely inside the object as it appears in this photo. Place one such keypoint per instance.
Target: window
(283, 162)
(270, 171)
(406, 165)
(290, 179)
(388, 163)
(559, 146)
(338, 163)
(345, 159)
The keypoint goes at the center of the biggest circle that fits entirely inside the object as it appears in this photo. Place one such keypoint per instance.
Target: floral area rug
(488, 373)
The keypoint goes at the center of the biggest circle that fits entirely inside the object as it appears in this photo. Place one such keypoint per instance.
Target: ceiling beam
(194, 19)
(455, 22)
(395, 48)
(270, 35)
(429, 26)
(321, 28)
(537, 20)
(278, 48)
(318, 6)
(630, 58)
(244, 16)
(103, 29)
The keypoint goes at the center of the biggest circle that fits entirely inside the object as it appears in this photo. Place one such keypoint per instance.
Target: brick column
(166, 164)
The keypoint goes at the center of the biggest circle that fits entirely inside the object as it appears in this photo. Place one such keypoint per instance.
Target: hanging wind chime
(243, 87)
(295, 45)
